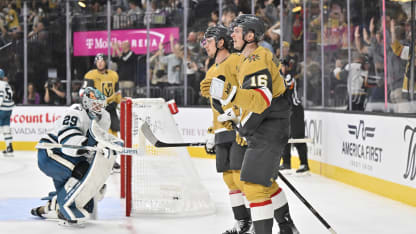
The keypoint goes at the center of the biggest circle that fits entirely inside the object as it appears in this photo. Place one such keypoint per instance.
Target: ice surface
(347, 209)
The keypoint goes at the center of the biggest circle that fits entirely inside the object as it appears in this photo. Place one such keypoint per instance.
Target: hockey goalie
(78, 173)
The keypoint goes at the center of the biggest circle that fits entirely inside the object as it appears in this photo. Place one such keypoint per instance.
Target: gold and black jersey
(227, 70)
(106, 82)
(261, 88)
(401, 51)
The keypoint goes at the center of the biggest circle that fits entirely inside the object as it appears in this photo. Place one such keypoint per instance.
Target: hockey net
(160, 181)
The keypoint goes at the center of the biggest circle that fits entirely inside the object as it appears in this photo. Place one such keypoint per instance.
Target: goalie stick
(100, 136)
(306, 203)
(120, 149)
(147, 132)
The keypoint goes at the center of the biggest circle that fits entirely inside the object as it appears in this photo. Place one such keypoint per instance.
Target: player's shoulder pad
(91, 74)
(258, 57)
(234, 61)
(112, 73)
(267, 55)
(75, 107)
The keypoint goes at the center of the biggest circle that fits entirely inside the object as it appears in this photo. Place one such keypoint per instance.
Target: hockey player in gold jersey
(106, 81)
(264, 123)
(222, 137)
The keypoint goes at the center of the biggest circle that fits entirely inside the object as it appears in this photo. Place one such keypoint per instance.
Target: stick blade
(300, 140)
(148, 134)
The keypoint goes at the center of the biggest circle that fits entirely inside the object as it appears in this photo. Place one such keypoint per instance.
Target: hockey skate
(285, 169)
(46, 212)
(43, 213)
(70, 223)
(243, 226)
(303, 170)
(288, 227)
(8, 152)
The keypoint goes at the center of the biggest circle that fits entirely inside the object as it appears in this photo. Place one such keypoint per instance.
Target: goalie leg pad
(77, 193)
(222, 160)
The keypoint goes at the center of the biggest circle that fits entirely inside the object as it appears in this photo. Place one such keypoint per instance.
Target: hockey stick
(120, 150)
(306, 203)
(147, 132)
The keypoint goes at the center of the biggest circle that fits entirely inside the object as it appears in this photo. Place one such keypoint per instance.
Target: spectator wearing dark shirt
(127, 66)
(54, 92)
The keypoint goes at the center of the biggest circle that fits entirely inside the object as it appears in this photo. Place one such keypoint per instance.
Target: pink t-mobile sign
(93, 42)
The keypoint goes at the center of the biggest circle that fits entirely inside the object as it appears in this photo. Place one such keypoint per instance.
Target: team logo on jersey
(361, 130)
(253, 58)
(410, 171)
(276, 61)
(228, 88)
(107, 88)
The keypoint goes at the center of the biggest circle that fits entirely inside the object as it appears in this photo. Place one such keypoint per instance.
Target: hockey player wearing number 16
(221, 140)
(264, 123)
(78, 174)
(6, 106)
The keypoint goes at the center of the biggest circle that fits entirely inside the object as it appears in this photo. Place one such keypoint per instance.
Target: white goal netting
(163, 180)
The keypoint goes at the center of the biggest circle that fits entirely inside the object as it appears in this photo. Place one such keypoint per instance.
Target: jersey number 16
(259, 81)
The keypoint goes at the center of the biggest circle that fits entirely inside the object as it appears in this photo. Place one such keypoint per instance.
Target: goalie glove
(86, 152)
(210, 143)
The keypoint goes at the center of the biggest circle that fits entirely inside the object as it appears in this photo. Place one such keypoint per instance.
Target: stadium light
(82, 3)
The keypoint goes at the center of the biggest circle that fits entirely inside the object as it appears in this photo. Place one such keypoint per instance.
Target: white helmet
(93, 101)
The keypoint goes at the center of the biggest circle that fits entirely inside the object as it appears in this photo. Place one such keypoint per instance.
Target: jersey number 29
(70, 120)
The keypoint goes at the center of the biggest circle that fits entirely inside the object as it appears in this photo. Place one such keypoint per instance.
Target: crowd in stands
(363, 41)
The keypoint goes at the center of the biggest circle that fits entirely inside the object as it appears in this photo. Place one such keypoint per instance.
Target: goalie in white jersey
(6, 107)
(78, 174)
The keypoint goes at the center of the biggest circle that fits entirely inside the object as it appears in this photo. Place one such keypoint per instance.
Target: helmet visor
(206, 40)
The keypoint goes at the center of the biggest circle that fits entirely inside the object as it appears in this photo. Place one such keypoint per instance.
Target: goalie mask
(93, 101)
